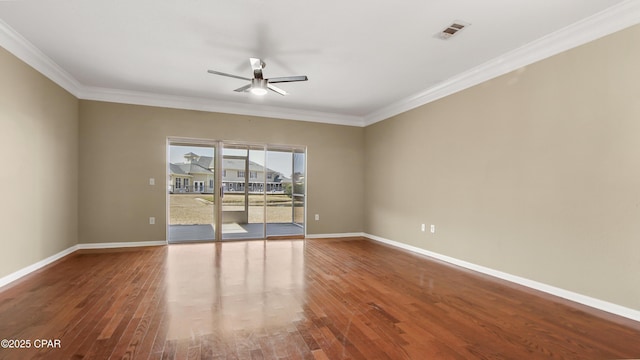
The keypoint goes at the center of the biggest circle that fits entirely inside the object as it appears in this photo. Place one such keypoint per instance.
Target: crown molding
(211, 105)
(32, 56)
(611, 20)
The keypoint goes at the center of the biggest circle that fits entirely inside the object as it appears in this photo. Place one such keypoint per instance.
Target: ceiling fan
(259, 85)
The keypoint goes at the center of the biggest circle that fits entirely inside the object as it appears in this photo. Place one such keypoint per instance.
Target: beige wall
(535, 173)
(39, 172)
(122, 146)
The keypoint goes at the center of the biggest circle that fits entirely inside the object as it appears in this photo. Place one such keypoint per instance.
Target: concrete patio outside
(191, 218)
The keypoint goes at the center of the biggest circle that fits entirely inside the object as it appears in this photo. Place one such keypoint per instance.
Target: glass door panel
(280, 199)
(242, 192)
(191, 192)
(257, 175)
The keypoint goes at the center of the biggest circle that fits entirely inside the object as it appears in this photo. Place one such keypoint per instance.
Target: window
(253, 174)
(178, 186)
(241, 174)
(270, 176)
(211, 183)
(186, 183)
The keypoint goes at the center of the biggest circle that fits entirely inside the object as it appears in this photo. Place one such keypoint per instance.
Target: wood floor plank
(294, 299)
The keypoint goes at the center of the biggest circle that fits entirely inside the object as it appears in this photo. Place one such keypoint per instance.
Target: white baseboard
(44, 262)
(338, 235)
(33, 267)
(565, 294)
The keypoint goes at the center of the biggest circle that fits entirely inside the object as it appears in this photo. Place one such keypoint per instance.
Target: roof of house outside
(176, 169)
(186, 169)
(204, 164)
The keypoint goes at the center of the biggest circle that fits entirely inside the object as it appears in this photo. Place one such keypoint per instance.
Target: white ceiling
(366, 60)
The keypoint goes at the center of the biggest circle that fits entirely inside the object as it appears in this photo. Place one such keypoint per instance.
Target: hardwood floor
(294, 299)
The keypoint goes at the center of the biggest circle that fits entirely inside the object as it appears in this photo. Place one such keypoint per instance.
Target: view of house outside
(192, 185)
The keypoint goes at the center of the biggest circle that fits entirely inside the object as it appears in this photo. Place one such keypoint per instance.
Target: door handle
(221, 193)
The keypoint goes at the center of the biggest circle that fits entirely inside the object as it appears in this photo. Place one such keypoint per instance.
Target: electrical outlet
(152, 220)
(152, 181)
(423, 228)
(433, 229)
(317, 217)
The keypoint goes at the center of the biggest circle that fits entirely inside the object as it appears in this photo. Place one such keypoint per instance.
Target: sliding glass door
(221, 191)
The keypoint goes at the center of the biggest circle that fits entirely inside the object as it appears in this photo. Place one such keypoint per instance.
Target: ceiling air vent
(452, 29)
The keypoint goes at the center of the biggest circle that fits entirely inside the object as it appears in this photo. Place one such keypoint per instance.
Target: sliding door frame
(218, 146)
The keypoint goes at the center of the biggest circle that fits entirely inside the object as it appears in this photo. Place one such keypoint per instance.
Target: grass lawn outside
(189, 209)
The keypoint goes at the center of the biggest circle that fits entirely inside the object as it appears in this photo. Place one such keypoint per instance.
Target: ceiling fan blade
(288, 79)
(276, 90)
(227, 75)
(243, 88)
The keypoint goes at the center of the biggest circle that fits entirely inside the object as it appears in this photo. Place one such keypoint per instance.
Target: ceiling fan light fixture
(258, 91)
(258, 87)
